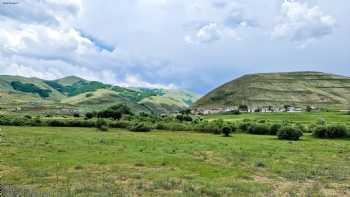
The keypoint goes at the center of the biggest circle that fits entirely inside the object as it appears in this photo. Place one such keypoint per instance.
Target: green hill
(71, 94)
(299, 89)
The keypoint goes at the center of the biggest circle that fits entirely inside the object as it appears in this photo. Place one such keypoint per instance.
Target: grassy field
(304, 117)
(85, 162)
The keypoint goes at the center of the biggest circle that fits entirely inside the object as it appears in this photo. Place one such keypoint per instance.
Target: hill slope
(278, 89)
(77, 94)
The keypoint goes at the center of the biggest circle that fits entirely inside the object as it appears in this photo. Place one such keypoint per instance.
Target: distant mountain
(72, 94)
(298, 89)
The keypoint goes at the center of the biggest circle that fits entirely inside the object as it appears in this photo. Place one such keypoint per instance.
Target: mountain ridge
(77, 94)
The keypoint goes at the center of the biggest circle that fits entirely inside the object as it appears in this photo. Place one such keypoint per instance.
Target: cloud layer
(191, 44)
(299, 22)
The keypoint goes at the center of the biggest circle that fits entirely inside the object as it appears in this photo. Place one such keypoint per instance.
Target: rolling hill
(73, 94)
(299, 89)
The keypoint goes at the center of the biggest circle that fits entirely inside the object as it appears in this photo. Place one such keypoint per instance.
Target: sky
(187, 44)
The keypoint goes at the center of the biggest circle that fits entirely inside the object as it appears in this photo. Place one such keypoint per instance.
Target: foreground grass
(85, 162)
(303, 117)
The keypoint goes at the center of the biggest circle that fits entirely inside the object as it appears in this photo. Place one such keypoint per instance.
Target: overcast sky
(189, 44)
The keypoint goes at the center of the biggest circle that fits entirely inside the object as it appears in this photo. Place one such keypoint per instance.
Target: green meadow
(87, 162)
(302, 117)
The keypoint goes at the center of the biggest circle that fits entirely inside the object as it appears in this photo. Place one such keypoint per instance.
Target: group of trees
(30, 88)
(115, 112)
(120, 116)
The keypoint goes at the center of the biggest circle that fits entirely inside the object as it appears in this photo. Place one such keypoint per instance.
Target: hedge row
(284, 130)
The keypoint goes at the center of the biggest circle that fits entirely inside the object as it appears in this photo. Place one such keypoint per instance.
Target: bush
(244, 126)
(139, 127)
(56, 123)
(330, 131)
(274, 129)
(36, 122)
(160, 126)
(321, 121)
(262, 121)
(119, 124)
(182, 117)
(303, 128)
(27, 117)
(215, 126)
(289, 133)
(226, 131)
(89, 115)
(102, 124)
(76, 115)
(259, 129)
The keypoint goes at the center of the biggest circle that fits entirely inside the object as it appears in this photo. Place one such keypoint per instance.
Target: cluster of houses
(252, 109)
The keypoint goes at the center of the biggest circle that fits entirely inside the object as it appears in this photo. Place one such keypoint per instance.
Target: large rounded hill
(318, 89)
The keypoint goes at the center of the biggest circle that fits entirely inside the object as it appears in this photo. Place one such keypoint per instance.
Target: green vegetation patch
(86, 162)
(137, 95)
(30, 88)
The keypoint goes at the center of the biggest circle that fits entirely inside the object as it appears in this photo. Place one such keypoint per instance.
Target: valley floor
(85, 162)
(300, 117)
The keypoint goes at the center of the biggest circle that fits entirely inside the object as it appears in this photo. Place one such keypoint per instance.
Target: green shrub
(56, 123)
(89, 115)
(102, 124)
(211, 126)
(175, 126)
(120, 124)
(274, 129)
(321, 121)
(160, 126)
(226, 131)
(19, 122)
(330, 131)
(303, 128)
(259, 129)
(27, 117)
(182, 117)
(262, 121)
(244, 126)
(37, 122)
(289, 133)
(139, 127)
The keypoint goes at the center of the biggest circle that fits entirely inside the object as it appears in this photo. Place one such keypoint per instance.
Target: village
(255, 109)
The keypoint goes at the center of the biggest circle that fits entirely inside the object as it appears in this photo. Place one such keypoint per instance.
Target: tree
(181, 117)
(308, 108)
(89, 115)
(115, 112)
(289, 133)
(186, 112)
(226, 131)
(243, 108)
(286, 108)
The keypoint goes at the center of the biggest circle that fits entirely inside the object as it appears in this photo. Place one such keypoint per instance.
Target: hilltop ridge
(322, 90)
(75, 94)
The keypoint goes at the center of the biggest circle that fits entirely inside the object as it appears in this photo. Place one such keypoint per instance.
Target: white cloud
(136, 81)
(210, 33)
(41, 41)
(141, 42)
(226, 19)
(299, 22)
(206, 34)
(48, 12)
